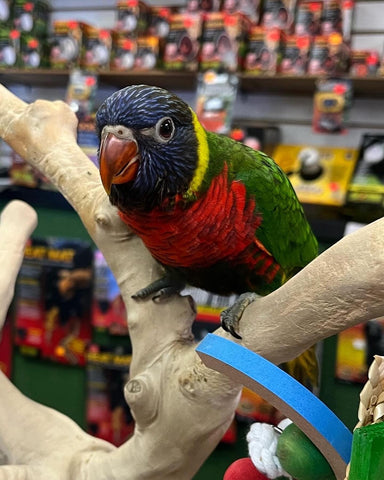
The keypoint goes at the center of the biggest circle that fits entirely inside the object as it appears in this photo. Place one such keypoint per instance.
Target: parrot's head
(151, 147)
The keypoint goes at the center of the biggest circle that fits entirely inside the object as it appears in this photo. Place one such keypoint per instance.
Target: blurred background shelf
(175, 80)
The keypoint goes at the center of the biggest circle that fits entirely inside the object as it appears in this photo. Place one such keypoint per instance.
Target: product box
(123, 53)
(66, 42)
(331, 104)
(308, 18)
(107, 413)
(147, 54)
(159, 23)
(96, 48)
(367, 184)
(54, 298)
(249, 8)
(295, 55)
(339, 53)
(223, 41)
(31, 52)
(264, 51)
(31, 17)
(9, 47)
(329, 55)
(319, 60)
(141, 53)
(109, 312)
(80, 94)
(133, 17)
(182, 46)
(364, 63)
(216, 95)
(319, 175)
(332, 18)
(279, 14)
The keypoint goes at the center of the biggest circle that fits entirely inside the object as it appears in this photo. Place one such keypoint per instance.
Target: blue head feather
(166, 169)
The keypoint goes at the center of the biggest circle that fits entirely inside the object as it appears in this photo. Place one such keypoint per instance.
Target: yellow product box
(319, 175)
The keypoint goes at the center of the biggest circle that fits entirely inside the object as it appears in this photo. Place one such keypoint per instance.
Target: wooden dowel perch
(181, 407)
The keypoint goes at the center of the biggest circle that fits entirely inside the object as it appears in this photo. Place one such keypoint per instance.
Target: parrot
(216, 214)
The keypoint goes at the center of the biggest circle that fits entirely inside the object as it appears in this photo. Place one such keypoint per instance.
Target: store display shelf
(306, 84)
(59, 78)
(177, 80)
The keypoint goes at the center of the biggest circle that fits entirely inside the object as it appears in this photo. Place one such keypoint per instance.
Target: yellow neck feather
(203, 157)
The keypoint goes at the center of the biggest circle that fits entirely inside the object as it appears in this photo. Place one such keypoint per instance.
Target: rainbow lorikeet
(215, 213)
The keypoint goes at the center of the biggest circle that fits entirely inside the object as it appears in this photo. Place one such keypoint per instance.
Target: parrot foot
(161, 289)
(230, 317)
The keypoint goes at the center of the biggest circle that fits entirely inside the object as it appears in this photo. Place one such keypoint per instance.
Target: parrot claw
(161, 289)
(165, 292)
(230, 317)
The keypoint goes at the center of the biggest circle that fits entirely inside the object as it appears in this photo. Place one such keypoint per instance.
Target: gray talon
(160, 289)
(230, 317)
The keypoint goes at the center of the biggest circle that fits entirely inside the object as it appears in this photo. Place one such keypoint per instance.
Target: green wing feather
(284, 230)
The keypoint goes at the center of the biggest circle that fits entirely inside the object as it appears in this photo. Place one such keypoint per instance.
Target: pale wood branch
(169, 389)
(181, 407)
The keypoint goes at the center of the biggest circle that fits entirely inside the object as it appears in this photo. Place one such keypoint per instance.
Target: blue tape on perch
(311, 415)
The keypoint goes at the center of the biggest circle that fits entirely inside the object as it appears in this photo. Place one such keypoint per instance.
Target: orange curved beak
(118, 160)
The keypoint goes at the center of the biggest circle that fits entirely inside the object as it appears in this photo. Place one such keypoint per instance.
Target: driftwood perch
(181, 407)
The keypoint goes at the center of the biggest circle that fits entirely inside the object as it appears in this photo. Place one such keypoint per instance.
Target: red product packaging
(364, 63)
(279, 14)
(296, 55)
(329, 55)
(96, 48)
(132, 17)
(332, 18)
(147, 54)
(182, 46)
(66, 44)
(54, 298)
(123, 53)
(249, 8)
(223, 41)
(264, 51)
(159, 21)
(308, 18)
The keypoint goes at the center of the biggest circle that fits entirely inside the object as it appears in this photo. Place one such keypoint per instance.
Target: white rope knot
(262, 444)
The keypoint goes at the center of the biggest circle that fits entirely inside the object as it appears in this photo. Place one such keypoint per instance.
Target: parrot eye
(165, 128)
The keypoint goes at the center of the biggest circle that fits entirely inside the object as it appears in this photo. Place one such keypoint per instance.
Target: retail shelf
(177, 80)
(305, 85)
(59, 78)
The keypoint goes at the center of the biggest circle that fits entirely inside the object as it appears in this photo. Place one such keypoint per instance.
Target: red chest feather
(218, 226)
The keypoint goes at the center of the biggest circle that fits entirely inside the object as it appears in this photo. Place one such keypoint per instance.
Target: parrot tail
(304, 368)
